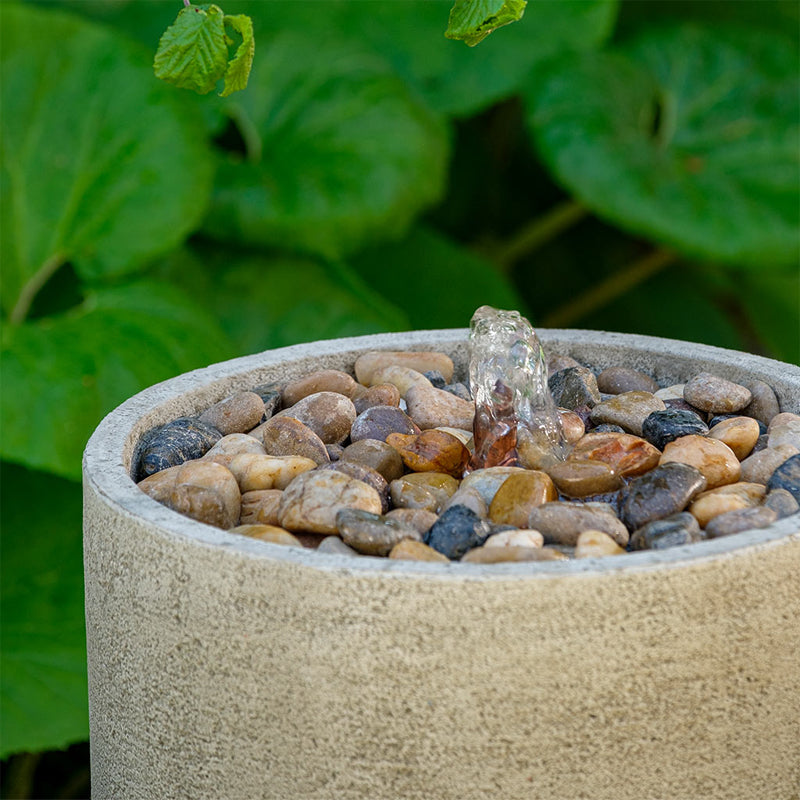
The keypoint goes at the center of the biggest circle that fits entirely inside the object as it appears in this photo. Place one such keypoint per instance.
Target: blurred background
(627, 166)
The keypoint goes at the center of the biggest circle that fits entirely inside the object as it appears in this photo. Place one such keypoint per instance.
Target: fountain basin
(221, 666)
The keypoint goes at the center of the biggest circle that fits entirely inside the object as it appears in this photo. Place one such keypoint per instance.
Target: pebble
(663, 491)
(361, 472)
(710, 504)
(417, 518)
(412, 550)
(367, 363)
(270, 393)
(606, 428)
(402, 378)
(379, 421)
(786, 433)
(183, 439)
(787, 476)
(267, 533)
(758, 468)
(515, 538)
(253, 471)
(313, 499)
(674, 392)
(334, 451)
(428, 490)
(431, 451)
(382, 394)
(715, 460)
(557, 363)
(562, 523)
(233, 444)
(626, 454)
(739, 433)
(616, 380)
(287, 436)
(761, 444)
(260, 507)
(471, 498)
(459, 390)
(372, 534)
(436, 378)
(572, 425)
(717, 418)
(573, 387)
(711, 393)
(328, 414)
(782, 419)
(435, 408)
(502, 555)
(463, 436)
(662, 427)
(740, 520)
(596, 544)
(324, 380)
(488, 480)
(377, 455)
(782, 502)
(584, 477)
(672, 531)
(238, 413)
(518, 495)
(682, 405)
(203, 490)
(628, 410)
(457, 530)
(334, 545)
(764, 405)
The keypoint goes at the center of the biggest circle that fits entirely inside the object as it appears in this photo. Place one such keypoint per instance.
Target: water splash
(516, 421)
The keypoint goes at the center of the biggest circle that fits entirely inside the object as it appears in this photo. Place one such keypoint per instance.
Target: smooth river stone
(253, 471)
(471, 498)
(711, 393)
(504, 555)
(782, 419)
(573, 387)
(739, 433)
(596, 544)
(626, 454)
(428, 490)
(334, 451)
(781, 502)
(616, 380)
(663, 491)
(363, 473)
(260, 507)
(710, 504)
(457, 530)
(431, 451)
(662, 427)
(412, 550)
(488, 480)
(379, 421)
(518, 495)
(372, 534)
(335, 546)
(313, 500)
(562, 523)
(421, 361)
(267, 533)
(715, 460)
(203, 490)
(287, 436)
(673, 531)
(584, 477)
(787, 476)
(233, 444)
(557, 363)
(674, 392)
(382, 394)
(402, 378)
(758, 468)
(744, 519)
(270, 393)
(324, 380)
(418, 518)
(515, 538)
(238, 413)
(786, 433)
(628, 410)
(168, 445)
(436, 408)
(328, 414)
(377, 455)
(572, 425)
(764, 405)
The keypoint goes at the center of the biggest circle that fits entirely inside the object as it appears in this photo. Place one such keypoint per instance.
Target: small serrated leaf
(238, 71)
(472, 21)
(193, 53)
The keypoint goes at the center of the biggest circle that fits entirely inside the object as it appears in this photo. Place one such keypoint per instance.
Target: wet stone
(628, 455)
(562, 523)
(361, 472)
(431, 451)
(744, 519)
(487, 481)
(287, 436)
(371, 534)
(758, 467)
(436, 378)
(664, 491)
(682, 405)
(672, 531)
(629, 410)
(412, 550)
(402, 378)
(260, 507)
(428, 490)
(328, 414)
(787, 476)
(764, 404)
(325, 380)
(436, 408)
(238, 413)
(662, 427)
(782, 502)
(739, 433)
(379, 421)
(616, 380)
(596, 544)
(377, 455)
(715, 460)
(557, 363)
(383, 394)
(267, 533)
(460, 390)
(607, 428)
(573, 387)
(421, 361)
(584, 477)
(334, 545)
(573, 426)
(183, 439)
(518, 495)
(711, 393)
(417, 518)
(714, 502)
(457, 530)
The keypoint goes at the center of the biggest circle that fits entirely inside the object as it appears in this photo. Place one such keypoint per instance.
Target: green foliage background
(624, 166)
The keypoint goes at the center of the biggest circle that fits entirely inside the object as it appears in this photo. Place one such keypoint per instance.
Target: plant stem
(32, 287)
(539, 231)
(610, 289)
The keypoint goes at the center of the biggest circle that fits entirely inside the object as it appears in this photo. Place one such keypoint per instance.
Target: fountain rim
(105, 470)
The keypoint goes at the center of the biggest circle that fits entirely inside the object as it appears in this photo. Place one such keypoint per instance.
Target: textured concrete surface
(228, 668)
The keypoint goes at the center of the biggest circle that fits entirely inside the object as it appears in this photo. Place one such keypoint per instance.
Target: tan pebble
(488, 480)
(628, 455)
(328, 414)
(377, 455)
(203, 490)
(785, 433)
(334, 545)
(463, 436)
(596, 544)
(707, 506)
(287, 436)
(267, 533)
(382, 394)
(764, 405)
(431, 451)
(561, 523)
(616, 380)
(325, 380)
(471, 498)
(436, 408)
(584, 478)
(715, 460)
(402, 378)
(233, 444)
(674, 392)
(253, 471)
(418, 518)
(518, 538)
(410, 550)
(742, 519)
(499, 555)
(739, 433)
(782, 419)
(758, 468)
(711, 393)
(238, 413)
(518, 494)
(428, 490)
(260, 507)
(421, 361)
(629, 410)
(572, 425)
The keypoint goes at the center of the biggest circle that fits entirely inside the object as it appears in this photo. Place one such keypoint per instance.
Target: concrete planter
(221, 667)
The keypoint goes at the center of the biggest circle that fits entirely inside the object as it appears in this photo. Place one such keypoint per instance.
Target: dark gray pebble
(459, 390)
(436, 378)
(682, 405)
(742, 519)
(457, 530)
(379, 421)
(673, 531)
(607, 427)
(787, 476)
(662, 427)
(183, 439)
(573, 387)
(782, 503)
(616, 380)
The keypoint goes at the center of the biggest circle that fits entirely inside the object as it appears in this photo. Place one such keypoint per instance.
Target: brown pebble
(715, 460)
(362, 472)
(557, 363)
(764, 405)
(518, 495)
(379, 421)
(572, 425)
(417, 518)
(710, 504)
(739, 433)
(411, 550)
(238, 413)
(253, 471)
(436, 408)
(267, 533)
(260, 507)
(325, 380)
(383, 394)
(616, 380)
(287, 436)
(431, 451)
(583, 478)
(711, 393)
(758, 468)
(629, 410)
(423, 361)
(428, 490)
(376, 454)
(328, 414)
(561, 523)
(628, 455)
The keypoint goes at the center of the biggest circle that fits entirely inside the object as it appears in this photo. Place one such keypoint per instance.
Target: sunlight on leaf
(472, 21)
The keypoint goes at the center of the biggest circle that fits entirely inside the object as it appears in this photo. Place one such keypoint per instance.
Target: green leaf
(193, 52)
(66, 372)
(471, 21)
(239, 67)
(270, 301)
(438, 283)
(100, 165)
(42, 638)
(689, 136)
(339, 151)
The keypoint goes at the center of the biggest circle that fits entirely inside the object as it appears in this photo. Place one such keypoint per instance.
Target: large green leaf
(42, 636)
(689, 136)
(264, 301)
(438, 283)
(102, 165)
(61, 374)
(339, 151)
(471, 21)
